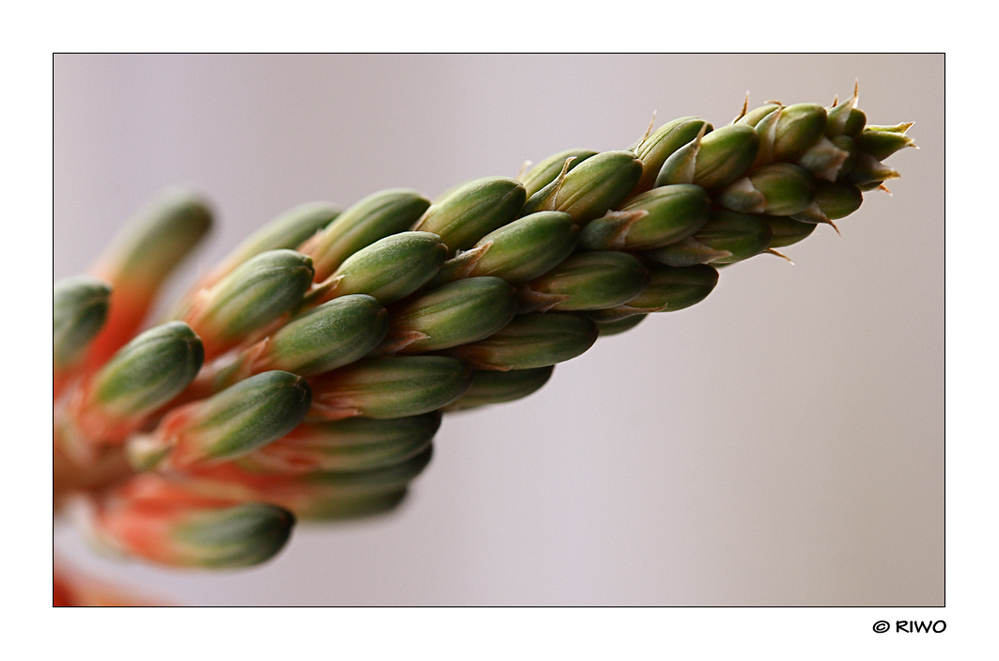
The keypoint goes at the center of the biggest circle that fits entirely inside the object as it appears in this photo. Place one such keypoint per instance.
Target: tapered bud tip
(239, 536)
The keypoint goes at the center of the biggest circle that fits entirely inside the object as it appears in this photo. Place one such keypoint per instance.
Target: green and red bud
(379, 215)
(586, 281)
(350, 444)
(653, 219)
(389, 387)
(474, 210)
(463, 311)
(79, 310)
(188, 533)
(140, 259)
(248, 415)
(529, 341)
(250, 299)
(142, 376)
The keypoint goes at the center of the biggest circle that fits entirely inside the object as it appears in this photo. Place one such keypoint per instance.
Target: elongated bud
(375, 217)
(463, 311)
(754, 116)
(548, 170)
(474, 210)
(518, 252)
(391, 387)
(253, 296)
(586, 192)
(143, 375)
(785, 135)
(653, 219)
(836, 199)
(669, 289)
(845, 119)
(868, 172)
(881, 142)
(491, 387)
(530, 341)
(662, 143)
(390, 268)
(824, 160)
(140, 259)
(79, 309)
(193, 535)
(586, 281)
(778, 189)
(620, 325)
(350, 444)
(787, 231)
(329, 336)
(287, 231)
(728, 237)
(714, 161)
(252, 413)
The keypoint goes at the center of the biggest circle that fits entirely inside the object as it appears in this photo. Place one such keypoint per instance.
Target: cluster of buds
(306, 376)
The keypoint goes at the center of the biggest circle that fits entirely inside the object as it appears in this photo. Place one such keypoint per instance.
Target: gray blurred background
(781, 443)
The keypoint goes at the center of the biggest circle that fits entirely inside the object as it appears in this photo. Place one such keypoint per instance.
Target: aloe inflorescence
(306, 375)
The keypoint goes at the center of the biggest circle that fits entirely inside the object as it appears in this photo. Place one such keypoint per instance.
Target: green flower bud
(389, 387)
(727, 237)
(473, 211)
(389, 269)
(248, 415)
(518, 252)
(754, 116)
(845, 119)
(146, 373)
(669, 289)
(375, 217)
(339, 508)
(714, 161)
(656, 218)
(463, 311)
(240, 536)
(351, 484)
(619, 325)
(254, 295)
(193, 533)
(286, 232)
(825, 160)
(79, 308)
(548, 170)
(868, 172)
(529, 341)
(845, 143)
(491, 387)
(586, 192)
(778, 189)
(787, 231)
(787, 134)
(331, 335)
(587, 281)
(836, 199)
(662, 143)
(881, 142)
